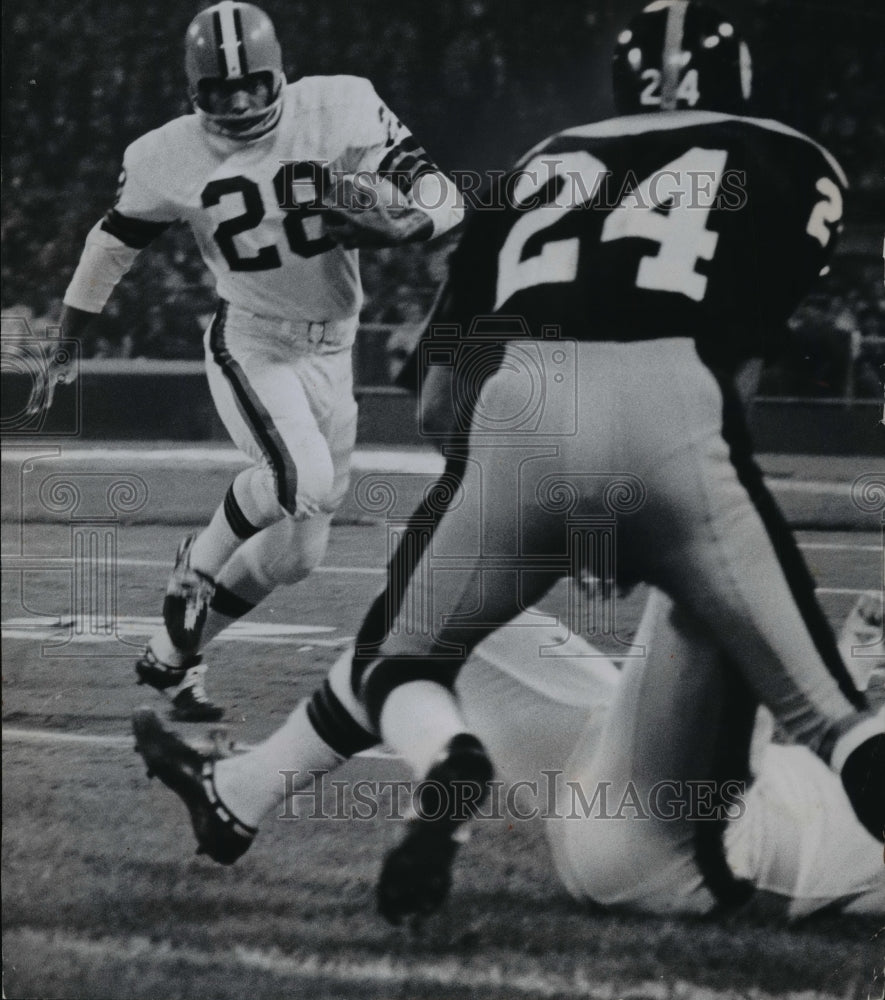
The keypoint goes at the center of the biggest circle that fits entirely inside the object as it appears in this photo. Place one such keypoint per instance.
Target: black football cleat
(190, 774)
(190, 703)
(863, 778)
(417, 874)
(161, 675)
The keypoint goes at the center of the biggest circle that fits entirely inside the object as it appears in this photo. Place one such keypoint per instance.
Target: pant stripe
(799, 579)
(401, 568)
(255, 415)
(730, 762)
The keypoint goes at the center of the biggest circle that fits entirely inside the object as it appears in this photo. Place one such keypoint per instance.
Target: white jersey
(253, 205)
(796, 835)
(798, 838)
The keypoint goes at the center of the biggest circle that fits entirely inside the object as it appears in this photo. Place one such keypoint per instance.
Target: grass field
(104, 898)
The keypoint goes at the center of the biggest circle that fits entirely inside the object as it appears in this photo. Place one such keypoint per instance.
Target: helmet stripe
(241, 45)
(671, 59)
(229, 41)
(219, 49)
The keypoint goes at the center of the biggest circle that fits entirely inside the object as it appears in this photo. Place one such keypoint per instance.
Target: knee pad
(298, 487)
(315, 477)
(376, 679)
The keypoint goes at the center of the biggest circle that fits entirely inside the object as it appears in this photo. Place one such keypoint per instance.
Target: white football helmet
(234, 41)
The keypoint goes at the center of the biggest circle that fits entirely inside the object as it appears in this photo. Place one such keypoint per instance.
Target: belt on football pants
(311, 331)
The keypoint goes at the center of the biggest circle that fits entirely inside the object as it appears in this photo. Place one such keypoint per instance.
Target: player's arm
(409, 198)
(110, 250)
(444, 387)
(370, 210)
(104, 260)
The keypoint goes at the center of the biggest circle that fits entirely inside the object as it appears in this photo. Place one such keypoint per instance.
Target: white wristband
(440, 200)
(103, 262)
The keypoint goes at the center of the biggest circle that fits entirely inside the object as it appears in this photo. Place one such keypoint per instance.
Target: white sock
(214, 545)
(418, 720)
(251, 784)
(165, 651)
(249, 505)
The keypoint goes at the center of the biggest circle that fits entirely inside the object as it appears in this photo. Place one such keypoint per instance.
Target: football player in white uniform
(280, 183)
(645, 805)
(660, 803)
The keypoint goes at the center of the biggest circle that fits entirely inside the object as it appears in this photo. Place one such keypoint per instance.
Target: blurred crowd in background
(478, 81)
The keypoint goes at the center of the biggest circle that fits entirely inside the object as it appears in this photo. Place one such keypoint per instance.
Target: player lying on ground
(628, 751)
(280, 184)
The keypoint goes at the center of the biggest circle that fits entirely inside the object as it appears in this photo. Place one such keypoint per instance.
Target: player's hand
(368, 211)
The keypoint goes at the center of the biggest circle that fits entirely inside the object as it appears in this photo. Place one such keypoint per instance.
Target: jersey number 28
(295, 220)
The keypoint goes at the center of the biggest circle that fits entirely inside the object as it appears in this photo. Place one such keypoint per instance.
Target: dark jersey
(677, 224)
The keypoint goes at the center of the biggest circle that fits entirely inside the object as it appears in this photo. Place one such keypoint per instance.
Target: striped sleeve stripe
(135, 233)
(408, 145)
(404, 167)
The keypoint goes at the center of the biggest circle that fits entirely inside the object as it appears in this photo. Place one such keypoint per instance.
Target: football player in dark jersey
(586, 349)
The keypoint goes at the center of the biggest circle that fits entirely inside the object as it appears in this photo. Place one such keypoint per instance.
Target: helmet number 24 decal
(686, 187)
(651, 93)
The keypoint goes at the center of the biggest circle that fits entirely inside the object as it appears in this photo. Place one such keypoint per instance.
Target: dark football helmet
(233, 41)
(681, 55)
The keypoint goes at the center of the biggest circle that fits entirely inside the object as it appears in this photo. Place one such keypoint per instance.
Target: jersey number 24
(681, 234)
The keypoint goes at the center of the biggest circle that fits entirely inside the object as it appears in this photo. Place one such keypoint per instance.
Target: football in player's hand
(367, 210)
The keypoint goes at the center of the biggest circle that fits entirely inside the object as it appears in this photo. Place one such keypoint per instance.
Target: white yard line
(364, 459)
(379, 460)
(11, 734)
(53, 737)
(16, 561)
(850, 591)
(809, 486)
(838, 547)
(530, 979)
